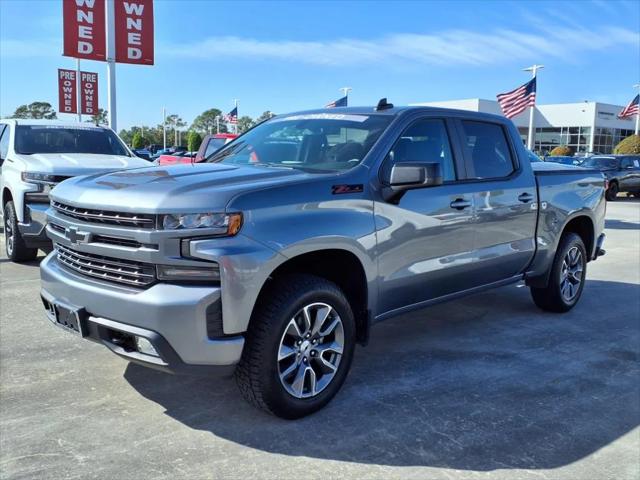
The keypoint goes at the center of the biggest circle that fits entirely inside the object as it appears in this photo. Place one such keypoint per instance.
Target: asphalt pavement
(488, 387)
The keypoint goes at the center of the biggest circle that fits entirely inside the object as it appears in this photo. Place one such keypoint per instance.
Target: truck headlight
(223, 223)
(35, 177)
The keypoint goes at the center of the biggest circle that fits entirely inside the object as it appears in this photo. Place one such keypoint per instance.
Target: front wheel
(612, 191)
(568, 273)
(299, 347)
(14, 244)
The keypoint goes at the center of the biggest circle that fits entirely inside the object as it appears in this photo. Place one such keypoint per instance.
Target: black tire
(257, 374)
(636, 194)
(612, 191)
(551, 298)
(14, 244)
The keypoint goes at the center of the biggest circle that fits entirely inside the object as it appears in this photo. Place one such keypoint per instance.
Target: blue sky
(286, 56)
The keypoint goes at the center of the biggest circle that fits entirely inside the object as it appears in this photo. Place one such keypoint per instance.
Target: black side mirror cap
(406, 176)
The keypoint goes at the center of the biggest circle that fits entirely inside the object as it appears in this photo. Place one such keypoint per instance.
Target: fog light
(144, 346)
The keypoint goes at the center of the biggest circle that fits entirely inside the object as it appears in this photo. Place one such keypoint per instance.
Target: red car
(210, 144)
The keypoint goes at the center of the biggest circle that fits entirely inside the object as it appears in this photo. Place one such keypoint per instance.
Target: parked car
(35, 155)
(622, 173)
(564, 160)
(533, 158)
(143, 153)
(276, 257)
(154, 147)
(212, 143)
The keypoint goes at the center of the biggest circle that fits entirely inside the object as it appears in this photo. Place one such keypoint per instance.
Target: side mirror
(406, 176)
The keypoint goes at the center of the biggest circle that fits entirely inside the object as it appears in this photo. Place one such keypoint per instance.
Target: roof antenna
(384, 105)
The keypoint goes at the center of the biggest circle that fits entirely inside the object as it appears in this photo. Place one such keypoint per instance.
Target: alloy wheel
(571, 274)
(9, 236)
(310, 350)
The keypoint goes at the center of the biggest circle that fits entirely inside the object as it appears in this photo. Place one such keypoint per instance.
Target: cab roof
(57, 123)
(396, 111)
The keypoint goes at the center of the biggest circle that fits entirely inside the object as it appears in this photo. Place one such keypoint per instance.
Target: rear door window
(488, 149)
(4, 142)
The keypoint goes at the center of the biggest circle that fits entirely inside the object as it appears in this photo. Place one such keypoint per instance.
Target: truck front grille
(110, 269)
(107, 217)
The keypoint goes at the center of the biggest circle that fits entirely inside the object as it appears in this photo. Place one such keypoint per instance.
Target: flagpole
(111, 63)
(345, 91)
(533, 69)
(637, 85)
(235, 100)
(78, 89)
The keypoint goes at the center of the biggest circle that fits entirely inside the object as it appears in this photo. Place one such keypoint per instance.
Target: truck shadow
(485, 383)
(621, 225)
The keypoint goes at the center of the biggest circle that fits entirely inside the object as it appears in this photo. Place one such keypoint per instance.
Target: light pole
(164, 128)
(533, 69)
(111, 63)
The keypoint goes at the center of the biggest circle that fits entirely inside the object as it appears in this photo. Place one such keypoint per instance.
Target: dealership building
(584, 126)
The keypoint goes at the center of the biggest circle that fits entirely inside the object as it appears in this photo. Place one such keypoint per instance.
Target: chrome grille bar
(103, 216)
(106, 268)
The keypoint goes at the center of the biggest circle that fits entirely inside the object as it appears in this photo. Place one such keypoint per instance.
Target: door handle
(525, 197)
(460, 204)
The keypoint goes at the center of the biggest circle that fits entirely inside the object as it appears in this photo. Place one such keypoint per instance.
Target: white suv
(35, 155)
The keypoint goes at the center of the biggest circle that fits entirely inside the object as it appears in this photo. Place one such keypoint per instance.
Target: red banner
(89, 93)
(67, 93)
(84, 29)
(134, 31)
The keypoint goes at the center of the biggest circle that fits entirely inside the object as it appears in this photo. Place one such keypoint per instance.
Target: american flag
(631, 109)
(232, 116)
(341, 102)
(518, 100)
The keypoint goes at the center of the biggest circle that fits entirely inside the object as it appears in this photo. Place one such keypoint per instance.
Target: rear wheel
(299, 347)
(612, 191)
(16, 249)
(567, 277)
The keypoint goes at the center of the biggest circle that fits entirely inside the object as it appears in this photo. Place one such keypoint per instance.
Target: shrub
(137, 141)
(193, 141)
(561, 151)
(629, 145)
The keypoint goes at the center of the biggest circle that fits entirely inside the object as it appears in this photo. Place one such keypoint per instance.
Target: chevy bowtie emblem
(74, 236)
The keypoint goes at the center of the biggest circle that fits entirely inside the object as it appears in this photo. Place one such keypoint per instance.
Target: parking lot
(486, 387)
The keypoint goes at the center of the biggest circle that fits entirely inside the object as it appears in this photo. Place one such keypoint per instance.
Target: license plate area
(71, 319)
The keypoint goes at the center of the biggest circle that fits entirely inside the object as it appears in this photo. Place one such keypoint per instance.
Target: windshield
(214, 145)
(600, 162)
(58, 139)
(313, 142)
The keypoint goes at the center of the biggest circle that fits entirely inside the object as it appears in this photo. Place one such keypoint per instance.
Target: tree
(561, 151)
(100, 117)
(265, 116)
(137, 141)
(36, 110)
(193, 141)
(629, 145)
(174, 121)
(206, 122)
(245, 123)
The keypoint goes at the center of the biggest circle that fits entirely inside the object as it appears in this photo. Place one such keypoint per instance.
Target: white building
(585, 126)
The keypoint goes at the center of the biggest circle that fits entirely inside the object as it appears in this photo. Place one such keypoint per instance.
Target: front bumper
(33, 228)
(172, 317)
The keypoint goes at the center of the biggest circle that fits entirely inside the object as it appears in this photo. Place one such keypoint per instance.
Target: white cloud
(451, 47)
(448, 47)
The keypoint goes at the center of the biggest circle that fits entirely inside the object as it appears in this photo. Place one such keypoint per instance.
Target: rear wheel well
(6, 197)
(583, 227)
(338, 266)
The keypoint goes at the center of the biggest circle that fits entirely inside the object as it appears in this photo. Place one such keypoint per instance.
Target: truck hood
(70, 164)
(172, 189)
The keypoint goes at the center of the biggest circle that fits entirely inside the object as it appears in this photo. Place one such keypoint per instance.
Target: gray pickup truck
(273, 259)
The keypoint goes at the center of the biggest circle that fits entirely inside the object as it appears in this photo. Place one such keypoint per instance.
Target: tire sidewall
(570, 241)
(10, 218)
(613, 191)
(275, 395)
